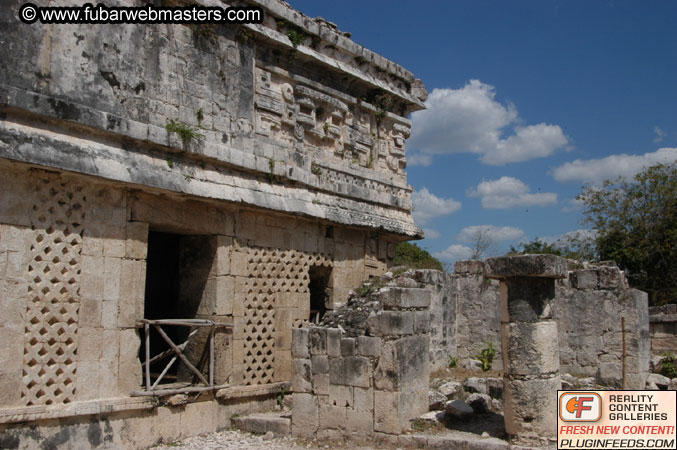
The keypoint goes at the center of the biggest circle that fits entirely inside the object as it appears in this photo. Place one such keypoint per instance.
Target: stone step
(279, 423)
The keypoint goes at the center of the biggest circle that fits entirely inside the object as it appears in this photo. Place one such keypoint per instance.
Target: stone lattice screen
(50, 352)
(277, 299)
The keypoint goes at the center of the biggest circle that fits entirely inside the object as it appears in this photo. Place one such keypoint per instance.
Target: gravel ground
(232, 440)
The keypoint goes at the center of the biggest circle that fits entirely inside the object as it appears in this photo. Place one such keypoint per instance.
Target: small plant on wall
(486, 356)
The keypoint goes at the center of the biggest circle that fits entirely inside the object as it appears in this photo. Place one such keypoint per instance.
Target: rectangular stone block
(225, 288)
(89, 314)
(238, 263)
(411, 355)
(363, 399)
(16, 265)
(318, 340)
(10, 387)
(332, 417)
(350, 371)
(90, 344)
(88, 380)
(132, 291)
(402, 298)
(421, 322)
(305, 419)
(223, 255)
(341, 395)
(360, 422)
(302, 376)
(299, 339)
(283, 365)
(11, 350)
(92, 277)
(391, 323)
(369, 346)
(334, 342)
(386, 412)
(283, 328)
(320, 364)
(109, 314)
(348, 346)
(321, 384)
(13, 238)
(584, 279)
(112, 270)
(136, 245)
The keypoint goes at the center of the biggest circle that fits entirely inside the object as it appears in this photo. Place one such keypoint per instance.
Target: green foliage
(315, 170)
(453, 362)
(185, 132)
(295, 34)
(573, 246)
(411, 255)
(170, 163)
(280, 397)
(668, 365)
(486, 356)
(636, 223)
(199, 115)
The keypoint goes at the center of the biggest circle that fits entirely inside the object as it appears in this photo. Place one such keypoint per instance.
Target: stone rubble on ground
(232, 440)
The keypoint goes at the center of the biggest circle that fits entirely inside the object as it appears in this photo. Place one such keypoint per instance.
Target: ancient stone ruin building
(236, 180)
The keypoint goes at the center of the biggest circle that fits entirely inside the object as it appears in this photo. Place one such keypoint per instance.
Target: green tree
(574, 245)
(636, 223)
(411, 255)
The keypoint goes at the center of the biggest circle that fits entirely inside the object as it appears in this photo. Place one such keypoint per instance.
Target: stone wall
(588, 306)
(371, 383)
(663, 329)
(291, 164)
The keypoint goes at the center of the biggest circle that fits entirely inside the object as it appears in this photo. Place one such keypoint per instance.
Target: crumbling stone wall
(663, 329)
(371, 379)
(588, 306)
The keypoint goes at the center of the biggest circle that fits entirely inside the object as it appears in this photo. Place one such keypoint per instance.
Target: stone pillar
(371, 383)
(529, 341)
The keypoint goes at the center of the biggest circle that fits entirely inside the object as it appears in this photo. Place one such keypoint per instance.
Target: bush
(411, 255)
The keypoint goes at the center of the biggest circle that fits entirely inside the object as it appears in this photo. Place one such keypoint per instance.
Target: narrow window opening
(319, 291)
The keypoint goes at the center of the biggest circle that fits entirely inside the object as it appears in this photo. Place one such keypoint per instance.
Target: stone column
(529, 341)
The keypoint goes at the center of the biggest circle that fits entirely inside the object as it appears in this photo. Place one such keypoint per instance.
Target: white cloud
(419, 159)
(562, 239)
(613, 166)
(497, 234)
(427, 206)
(509, 192)
(430, 233)
(660, 134)
(470, 119)
(454, 252)
(573, 205)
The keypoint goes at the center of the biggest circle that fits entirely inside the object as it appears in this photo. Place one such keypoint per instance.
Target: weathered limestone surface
(529, 342)
(663, 329)
(587, 305)
(293, 162)
(367, 384)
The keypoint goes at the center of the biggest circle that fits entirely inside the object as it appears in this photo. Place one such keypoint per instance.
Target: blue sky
(528, 101)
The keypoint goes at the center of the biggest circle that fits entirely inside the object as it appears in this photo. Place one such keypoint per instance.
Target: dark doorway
(319, 291)
(162, 296)
(177, 273)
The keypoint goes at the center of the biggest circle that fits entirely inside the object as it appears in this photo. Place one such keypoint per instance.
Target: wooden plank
(180, 354)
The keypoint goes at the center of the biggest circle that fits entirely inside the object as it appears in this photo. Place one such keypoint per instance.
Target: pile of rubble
(364, 301)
